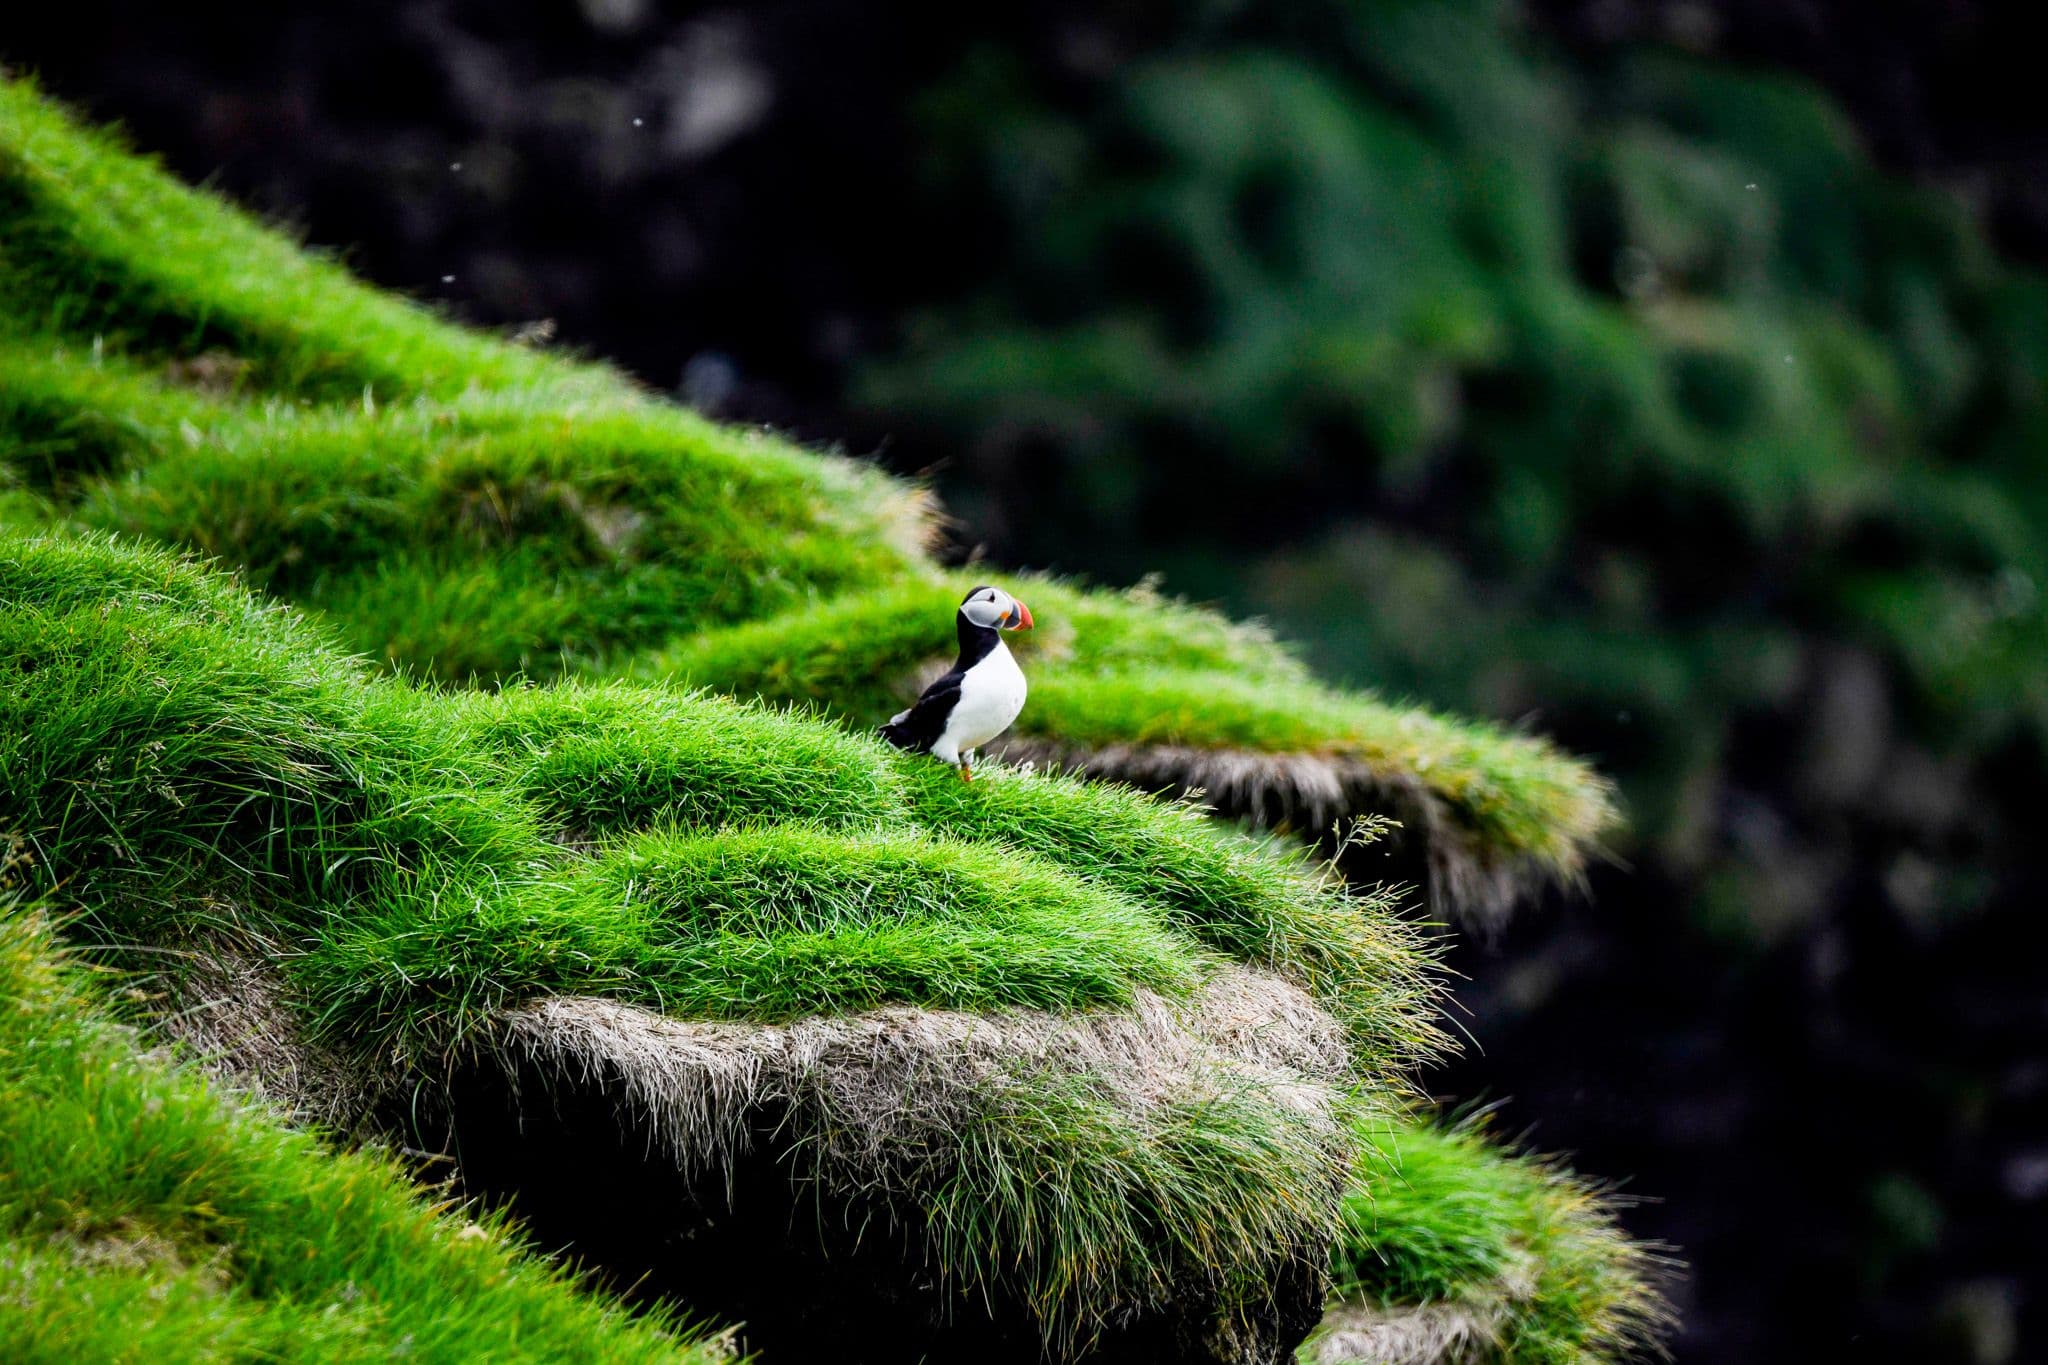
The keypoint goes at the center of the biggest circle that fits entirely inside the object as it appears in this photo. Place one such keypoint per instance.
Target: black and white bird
(979, 696)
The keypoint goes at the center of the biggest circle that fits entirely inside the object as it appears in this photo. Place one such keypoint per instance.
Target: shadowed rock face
(750, 1240)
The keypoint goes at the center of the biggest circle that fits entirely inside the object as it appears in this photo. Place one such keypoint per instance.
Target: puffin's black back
(920, 727)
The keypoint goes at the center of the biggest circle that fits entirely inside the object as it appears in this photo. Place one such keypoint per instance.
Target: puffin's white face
(987, 606)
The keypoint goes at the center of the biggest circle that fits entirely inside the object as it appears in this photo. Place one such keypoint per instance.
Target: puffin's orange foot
(966, 773)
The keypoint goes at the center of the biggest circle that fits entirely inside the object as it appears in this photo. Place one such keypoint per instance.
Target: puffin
(979, 696)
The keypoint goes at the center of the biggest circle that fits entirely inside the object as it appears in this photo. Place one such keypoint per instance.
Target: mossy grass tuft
(1447, 1238)
(143, 1215)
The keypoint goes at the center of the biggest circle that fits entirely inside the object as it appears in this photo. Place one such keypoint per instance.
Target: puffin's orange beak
(1021, 618)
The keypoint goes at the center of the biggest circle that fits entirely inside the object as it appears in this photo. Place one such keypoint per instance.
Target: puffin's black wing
(920, 727)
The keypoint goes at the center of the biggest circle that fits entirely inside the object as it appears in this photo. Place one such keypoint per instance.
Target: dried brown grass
(1430, 1334)
(230, 1010)
(865, 1089)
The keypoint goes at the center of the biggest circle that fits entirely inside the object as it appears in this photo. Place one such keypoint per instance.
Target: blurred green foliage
(1623, 389)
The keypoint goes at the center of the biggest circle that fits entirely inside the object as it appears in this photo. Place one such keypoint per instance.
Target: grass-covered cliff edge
(730, 999)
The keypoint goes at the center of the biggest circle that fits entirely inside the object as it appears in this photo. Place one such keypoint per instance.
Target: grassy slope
(488, 535)
(466, 506)
(181, 756)
(157, 718)
(146, 1217)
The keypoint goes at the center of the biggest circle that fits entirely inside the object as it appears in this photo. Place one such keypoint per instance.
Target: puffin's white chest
(991, 695)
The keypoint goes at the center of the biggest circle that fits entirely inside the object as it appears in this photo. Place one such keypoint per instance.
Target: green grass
(600, 759)
(1133, 669)
(483, 537)
(772, 923)
(176, 731)
(473, 510)
(99, 242)
(182, 756)
(859, 652)
(1257, 900)
(1438, 1216)
(144, 1216)
(1217, 1189)
(603, 758)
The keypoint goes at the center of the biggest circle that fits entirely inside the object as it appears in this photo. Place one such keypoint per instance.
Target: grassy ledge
(100, 242)
(478, 538)
(472, 509)
(1133, 687)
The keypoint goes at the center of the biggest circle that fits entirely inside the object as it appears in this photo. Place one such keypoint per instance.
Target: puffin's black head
(987, 606)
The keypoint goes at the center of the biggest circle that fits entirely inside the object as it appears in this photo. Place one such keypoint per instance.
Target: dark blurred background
(1664, 374)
